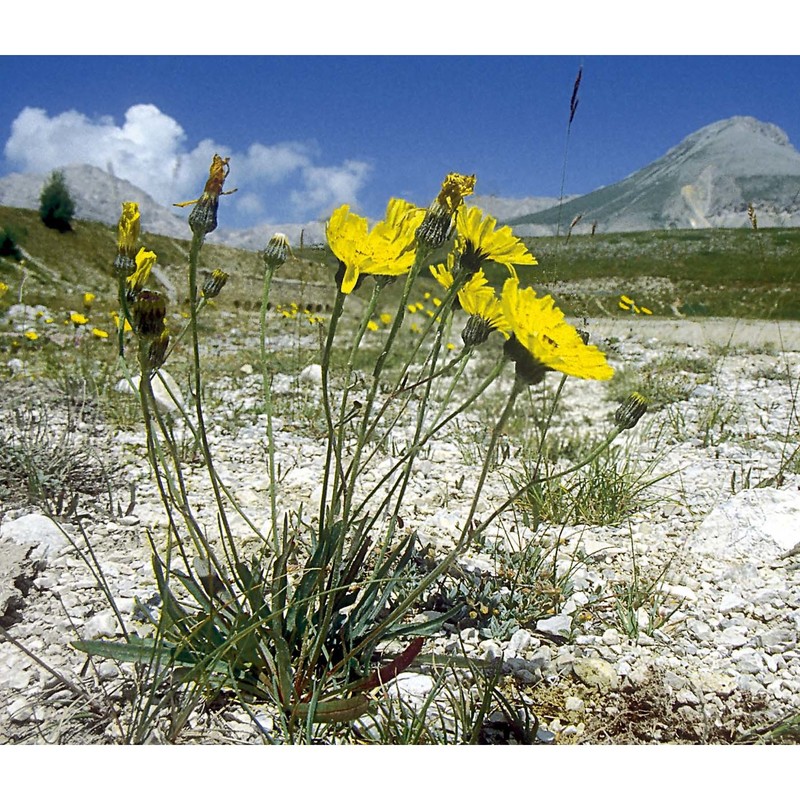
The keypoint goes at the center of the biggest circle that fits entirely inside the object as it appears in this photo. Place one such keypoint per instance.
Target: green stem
(266, 382)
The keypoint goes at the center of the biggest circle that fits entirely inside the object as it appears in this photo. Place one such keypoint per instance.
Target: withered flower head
(203, 218)
(439, 218)
(157, 351)
(149, 310)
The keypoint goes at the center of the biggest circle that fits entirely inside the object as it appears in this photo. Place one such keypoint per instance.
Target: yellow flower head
(543, 340)
(31, 335)
(372, 325)
(128, 229)
(99, 333)
(478, 299)
(145, 259)
(88, 299)
(78, 319)
(480, 240)
(127, 239)
(387, 249)
(3, 288)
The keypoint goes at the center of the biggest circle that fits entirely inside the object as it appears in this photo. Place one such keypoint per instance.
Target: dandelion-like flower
(388, 249)
(31, 336)
(145, 260)
(214, 283)
(438, 219)
(203, 217)
(127, 240)
(478, 299)
(3, 288)
(277, 250)
(631, 411)
(99, 333)
(480, 240)
(542, 340)
(78, 319)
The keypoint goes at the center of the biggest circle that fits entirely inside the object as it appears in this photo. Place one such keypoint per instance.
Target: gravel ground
(711, 655)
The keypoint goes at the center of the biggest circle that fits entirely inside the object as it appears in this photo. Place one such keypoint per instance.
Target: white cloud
(150, 150)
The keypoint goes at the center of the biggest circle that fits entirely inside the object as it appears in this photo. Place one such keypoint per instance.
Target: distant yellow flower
(372, 325)
(645, 310)
(480, 241)
(31, 335)
(386, 318)
(387, 249)
(88, 299)
(115, 317)
(78, 319)
(3, 288)
(542, 340)
(625, 299)
(99, 333)
(145, 260)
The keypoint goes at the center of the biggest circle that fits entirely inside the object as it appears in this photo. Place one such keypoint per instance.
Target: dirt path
(781, 334)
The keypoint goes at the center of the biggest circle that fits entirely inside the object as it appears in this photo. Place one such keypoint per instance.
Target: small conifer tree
(56, 208)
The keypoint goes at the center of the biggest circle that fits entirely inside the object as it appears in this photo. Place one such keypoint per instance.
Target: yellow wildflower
(542, 340)
(386, 318)
(88, 299)
(388, 249)
(127, 239)
(372, 325)
(31, 335)
(145, 260)
(115, 317)
(476, 296)
(3, 288)
(78, 319)
(480, 241)
(99, 333)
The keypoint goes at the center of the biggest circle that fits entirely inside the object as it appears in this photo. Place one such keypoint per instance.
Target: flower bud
(476, 331)
(214, 283)
(631, 411)
(277, 250)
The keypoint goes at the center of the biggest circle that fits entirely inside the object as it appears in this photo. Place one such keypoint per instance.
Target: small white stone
(611, 637)
(312, 375)
(560, 625)
(102, 624)
(731, 602)
(574, 703)
(246, 369)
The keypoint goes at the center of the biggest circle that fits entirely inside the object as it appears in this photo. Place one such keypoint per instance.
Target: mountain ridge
(707, 180)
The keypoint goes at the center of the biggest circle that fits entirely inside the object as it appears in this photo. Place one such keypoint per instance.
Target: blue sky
(306, 133)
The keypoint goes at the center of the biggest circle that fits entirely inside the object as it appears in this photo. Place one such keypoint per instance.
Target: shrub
(56, 208)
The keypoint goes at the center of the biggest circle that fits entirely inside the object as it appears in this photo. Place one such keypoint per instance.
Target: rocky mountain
(706, 181)
(98, 195)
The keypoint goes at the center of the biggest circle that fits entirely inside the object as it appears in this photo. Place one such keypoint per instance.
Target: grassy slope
(704, 272)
